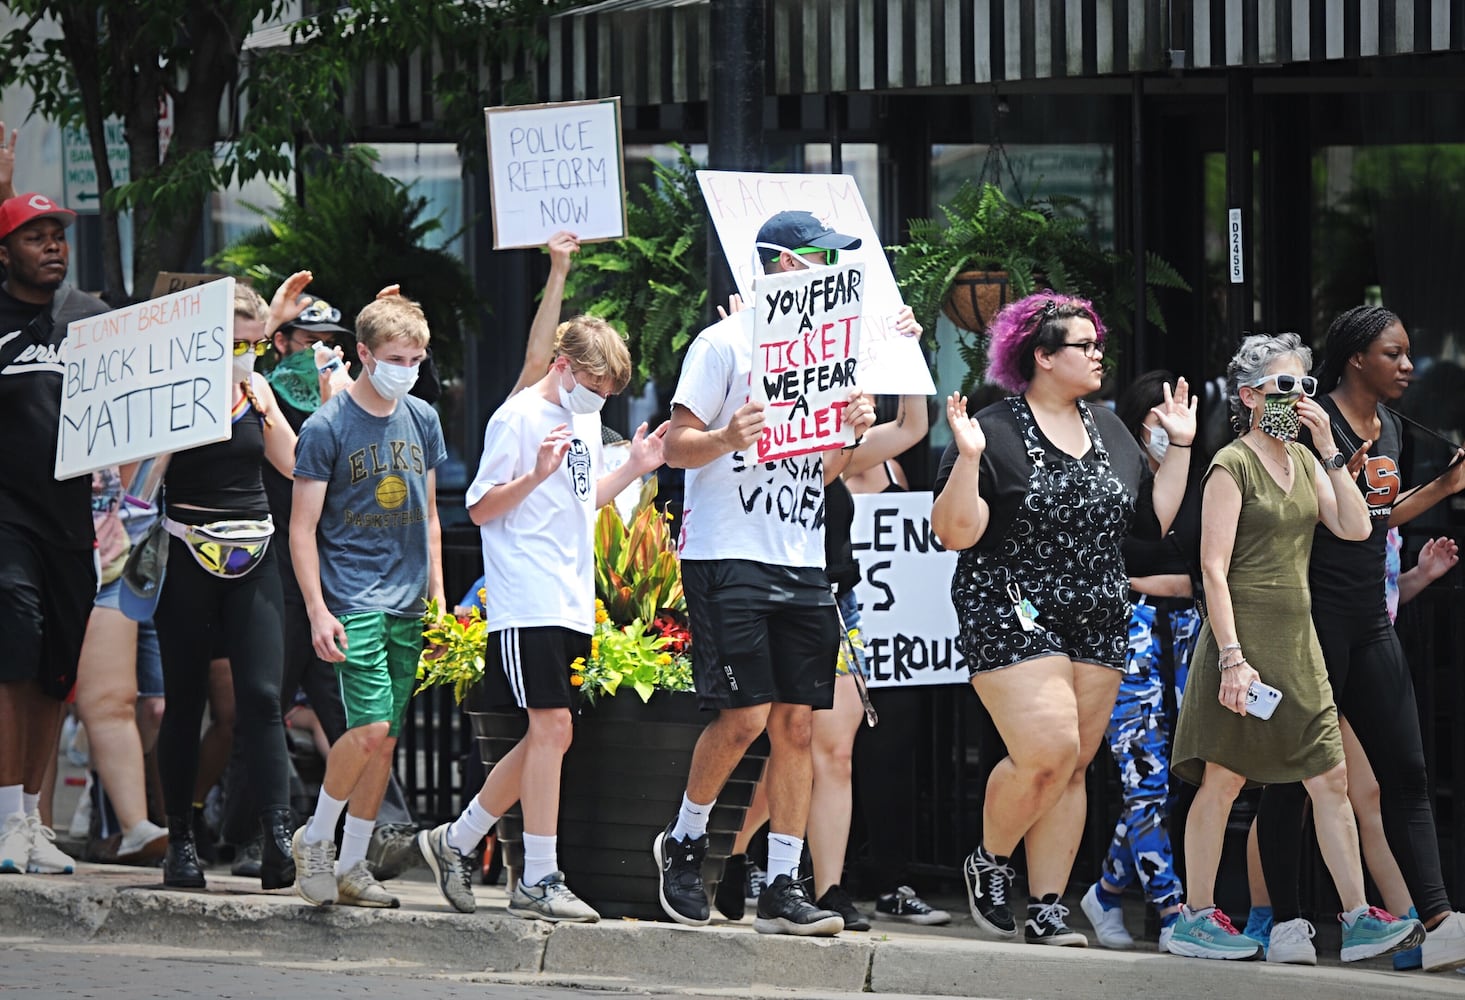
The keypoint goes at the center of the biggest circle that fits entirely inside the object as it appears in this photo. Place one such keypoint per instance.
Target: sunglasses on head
(831, 256)
(1289, 383)
(319, 311)
(243, 347)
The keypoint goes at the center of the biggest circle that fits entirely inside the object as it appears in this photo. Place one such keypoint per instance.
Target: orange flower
(576, 680)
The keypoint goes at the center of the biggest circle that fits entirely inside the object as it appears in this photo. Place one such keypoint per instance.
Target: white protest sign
(906, 618)
(553, 167)
(148, 379)
(806, 342)
(740, 203)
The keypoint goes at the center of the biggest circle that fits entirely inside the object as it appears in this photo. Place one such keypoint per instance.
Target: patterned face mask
(1279, 415)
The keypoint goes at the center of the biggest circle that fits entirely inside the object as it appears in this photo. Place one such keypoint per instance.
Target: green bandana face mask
(295, 381)
(1279, 415)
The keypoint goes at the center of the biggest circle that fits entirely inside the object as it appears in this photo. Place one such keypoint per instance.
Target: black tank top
(839, 559)
(224, 475)
(891, 486)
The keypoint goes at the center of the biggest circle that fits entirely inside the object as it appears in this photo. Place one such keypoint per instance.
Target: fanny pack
(227, 549)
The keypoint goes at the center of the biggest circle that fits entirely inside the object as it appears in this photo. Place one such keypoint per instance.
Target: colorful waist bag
(227, 549)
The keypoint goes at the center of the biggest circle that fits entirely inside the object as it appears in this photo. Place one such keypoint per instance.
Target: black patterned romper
(1061, 553)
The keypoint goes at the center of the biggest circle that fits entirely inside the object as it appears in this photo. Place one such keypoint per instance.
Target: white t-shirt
(736, 508)
(539, 558)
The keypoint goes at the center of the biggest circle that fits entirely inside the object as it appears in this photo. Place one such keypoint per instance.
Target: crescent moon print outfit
(1052, 543)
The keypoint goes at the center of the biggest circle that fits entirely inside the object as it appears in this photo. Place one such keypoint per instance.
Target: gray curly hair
(1251, 361)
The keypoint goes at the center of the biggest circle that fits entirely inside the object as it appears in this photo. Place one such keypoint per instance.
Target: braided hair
(1350, 334)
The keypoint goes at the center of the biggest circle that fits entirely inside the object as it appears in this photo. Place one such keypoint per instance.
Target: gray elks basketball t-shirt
(372, 536)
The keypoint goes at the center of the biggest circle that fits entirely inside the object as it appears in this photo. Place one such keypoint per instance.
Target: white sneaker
(81, 819)
(315, 868)
(1165, 934)
(356, 886)
(146, 842)
(1291, 943)
(15, 844)
(45, 857)
(550, 899)
(1444, 947)
(1108, 924)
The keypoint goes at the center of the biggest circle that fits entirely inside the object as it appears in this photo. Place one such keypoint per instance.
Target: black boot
(276, 863)
(181, 868)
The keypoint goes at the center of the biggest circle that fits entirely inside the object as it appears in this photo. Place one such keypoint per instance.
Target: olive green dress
(1272, 604)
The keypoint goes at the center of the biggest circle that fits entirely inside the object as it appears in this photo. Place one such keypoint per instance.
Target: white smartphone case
(1261, 700)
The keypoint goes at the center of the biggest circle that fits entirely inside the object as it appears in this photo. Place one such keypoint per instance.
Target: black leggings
(248, 612)
(1375, 693)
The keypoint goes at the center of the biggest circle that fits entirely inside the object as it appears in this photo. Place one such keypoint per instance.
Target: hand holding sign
(745, 427)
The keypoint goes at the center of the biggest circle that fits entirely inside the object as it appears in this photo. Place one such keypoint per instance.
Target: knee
(1224, 786)
(1332, 783)
(552, 729)
(1056, 762)
(370, 737)
(792, 729)
(744, 725)
(150, 712)
(836, 758)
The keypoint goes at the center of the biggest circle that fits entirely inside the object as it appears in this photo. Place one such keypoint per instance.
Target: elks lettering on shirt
(402, 456)
(797, 499)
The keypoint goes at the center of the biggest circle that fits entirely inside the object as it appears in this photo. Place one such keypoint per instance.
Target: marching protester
(47, 567)
(1037, 492)
(757, 598)
(222, 581)
(1367, 366)
(367, 551)
(534, 498)
(1264, 495)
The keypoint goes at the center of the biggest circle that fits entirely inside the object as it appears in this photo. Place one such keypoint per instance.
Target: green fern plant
(651, 285)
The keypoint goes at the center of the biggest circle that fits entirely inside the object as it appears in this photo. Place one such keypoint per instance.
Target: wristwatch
(1336, 462)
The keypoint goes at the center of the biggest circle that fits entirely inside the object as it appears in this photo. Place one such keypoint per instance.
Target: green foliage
(1040, 243)
(357, 232)
(636, 569)
(629, 655)
(652, 285)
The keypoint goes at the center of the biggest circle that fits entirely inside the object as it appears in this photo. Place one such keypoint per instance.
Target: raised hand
(388, 291)
(1438, 557)
(552, 451)
(288, 303)
(648, 451)
(7, 161)
(1177, 413)
(746, 425)
(970, 440)
(905, 323)
(859, 413)
(562, 246)
(735, 303)
(1315, 419)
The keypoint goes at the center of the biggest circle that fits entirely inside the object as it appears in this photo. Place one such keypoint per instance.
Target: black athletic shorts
(46, 594)
(760, 633)
(530, 667)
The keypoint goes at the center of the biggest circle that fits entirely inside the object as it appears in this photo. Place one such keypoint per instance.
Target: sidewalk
(118, 905)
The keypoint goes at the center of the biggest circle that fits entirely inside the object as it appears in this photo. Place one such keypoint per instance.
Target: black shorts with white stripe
(530, 667)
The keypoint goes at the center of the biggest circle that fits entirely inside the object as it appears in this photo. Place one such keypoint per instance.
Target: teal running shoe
(1259, 926)
(1210, 934)
(1378, 932)
(1404, 961)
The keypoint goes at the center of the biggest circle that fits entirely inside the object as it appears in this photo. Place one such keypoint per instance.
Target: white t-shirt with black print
(736, 507)
(538, 559)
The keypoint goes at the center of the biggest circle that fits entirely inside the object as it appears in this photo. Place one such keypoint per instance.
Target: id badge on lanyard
(1027, 615)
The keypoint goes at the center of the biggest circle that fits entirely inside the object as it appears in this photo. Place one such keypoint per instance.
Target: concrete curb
(119, 907)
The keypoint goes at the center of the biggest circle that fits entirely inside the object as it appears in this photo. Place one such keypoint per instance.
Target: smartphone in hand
(1261, 700)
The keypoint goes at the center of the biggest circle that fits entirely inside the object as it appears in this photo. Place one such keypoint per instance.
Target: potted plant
(636, 722)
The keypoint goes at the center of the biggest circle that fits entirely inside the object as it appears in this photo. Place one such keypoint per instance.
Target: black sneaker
(904, 904)
(784, 908)
(729, 898)
(1046, 925)
(988, 880)
(683, 896)
(836, 899)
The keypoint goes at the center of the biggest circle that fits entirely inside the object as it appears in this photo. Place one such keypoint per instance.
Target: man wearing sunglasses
(47, 572)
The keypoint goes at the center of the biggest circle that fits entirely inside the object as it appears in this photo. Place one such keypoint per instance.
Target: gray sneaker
(550, 899)
(356, 887)
(315, 868)
(453, 873)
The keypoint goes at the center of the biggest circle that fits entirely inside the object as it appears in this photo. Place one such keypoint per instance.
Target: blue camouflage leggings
(1139, 737)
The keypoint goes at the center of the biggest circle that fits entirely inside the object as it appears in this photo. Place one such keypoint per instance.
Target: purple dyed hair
(1015, 332)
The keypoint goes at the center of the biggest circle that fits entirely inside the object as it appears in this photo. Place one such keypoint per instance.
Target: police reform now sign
(146, 380)
(553, 167)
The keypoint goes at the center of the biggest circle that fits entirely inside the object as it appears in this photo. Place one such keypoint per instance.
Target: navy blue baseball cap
(796, 230)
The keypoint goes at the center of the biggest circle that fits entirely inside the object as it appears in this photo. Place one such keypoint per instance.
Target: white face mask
(580, 400)
(392, 381)
(243, 366)
(1159, 443)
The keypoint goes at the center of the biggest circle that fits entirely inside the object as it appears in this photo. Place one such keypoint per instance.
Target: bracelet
(1229, 646)
(1232, 665)
(1174, 444)
(855, 444)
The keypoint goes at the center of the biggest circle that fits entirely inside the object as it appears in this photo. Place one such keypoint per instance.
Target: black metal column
(1239, 235)
(736, 89)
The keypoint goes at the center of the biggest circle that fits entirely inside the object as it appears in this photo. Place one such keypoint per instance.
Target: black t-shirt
(839, 558)
(31, 369)
(1005, 469)
(1348, 577)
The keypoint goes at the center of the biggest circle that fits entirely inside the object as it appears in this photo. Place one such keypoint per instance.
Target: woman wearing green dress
(1258, 515)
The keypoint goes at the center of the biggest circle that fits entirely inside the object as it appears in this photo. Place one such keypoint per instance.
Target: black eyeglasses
(1289, 383)
(1091, 348)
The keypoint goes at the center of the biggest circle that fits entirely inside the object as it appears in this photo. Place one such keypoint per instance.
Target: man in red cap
(47, 571)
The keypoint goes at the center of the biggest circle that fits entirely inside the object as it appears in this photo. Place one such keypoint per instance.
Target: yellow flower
(576, 680)
(594, 648)
(600, 615)
(664, 659)
(579, 663)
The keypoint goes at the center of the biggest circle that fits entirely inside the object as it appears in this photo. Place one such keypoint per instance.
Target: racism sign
(148, 379)
(806, 343)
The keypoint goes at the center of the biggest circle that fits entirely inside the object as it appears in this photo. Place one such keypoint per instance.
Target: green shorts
(380, 670)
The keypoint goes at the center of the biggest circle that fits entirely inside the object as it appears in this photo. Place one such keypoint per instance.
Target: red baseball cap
(16, 212)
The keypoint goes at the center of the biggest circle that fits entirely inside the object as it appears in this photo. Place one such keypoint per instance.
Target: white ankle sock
(327, 815)
(12, 801)
(354, 840)
(31, 803)
(541, 857)
(784, 854)
(692, 819)
(471, 827)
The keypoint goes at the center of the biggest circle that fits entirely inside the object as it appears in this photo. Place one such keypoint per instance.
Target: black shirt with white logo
(31, 370)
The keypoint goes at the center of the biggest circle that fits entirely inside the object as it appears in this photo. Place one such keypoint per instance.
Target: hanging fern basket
(975, 297)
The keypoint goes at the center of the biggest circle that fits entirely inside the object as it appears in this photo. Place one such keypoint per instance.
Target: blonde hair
(594, 346)
(393, 317)
(249, 304)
